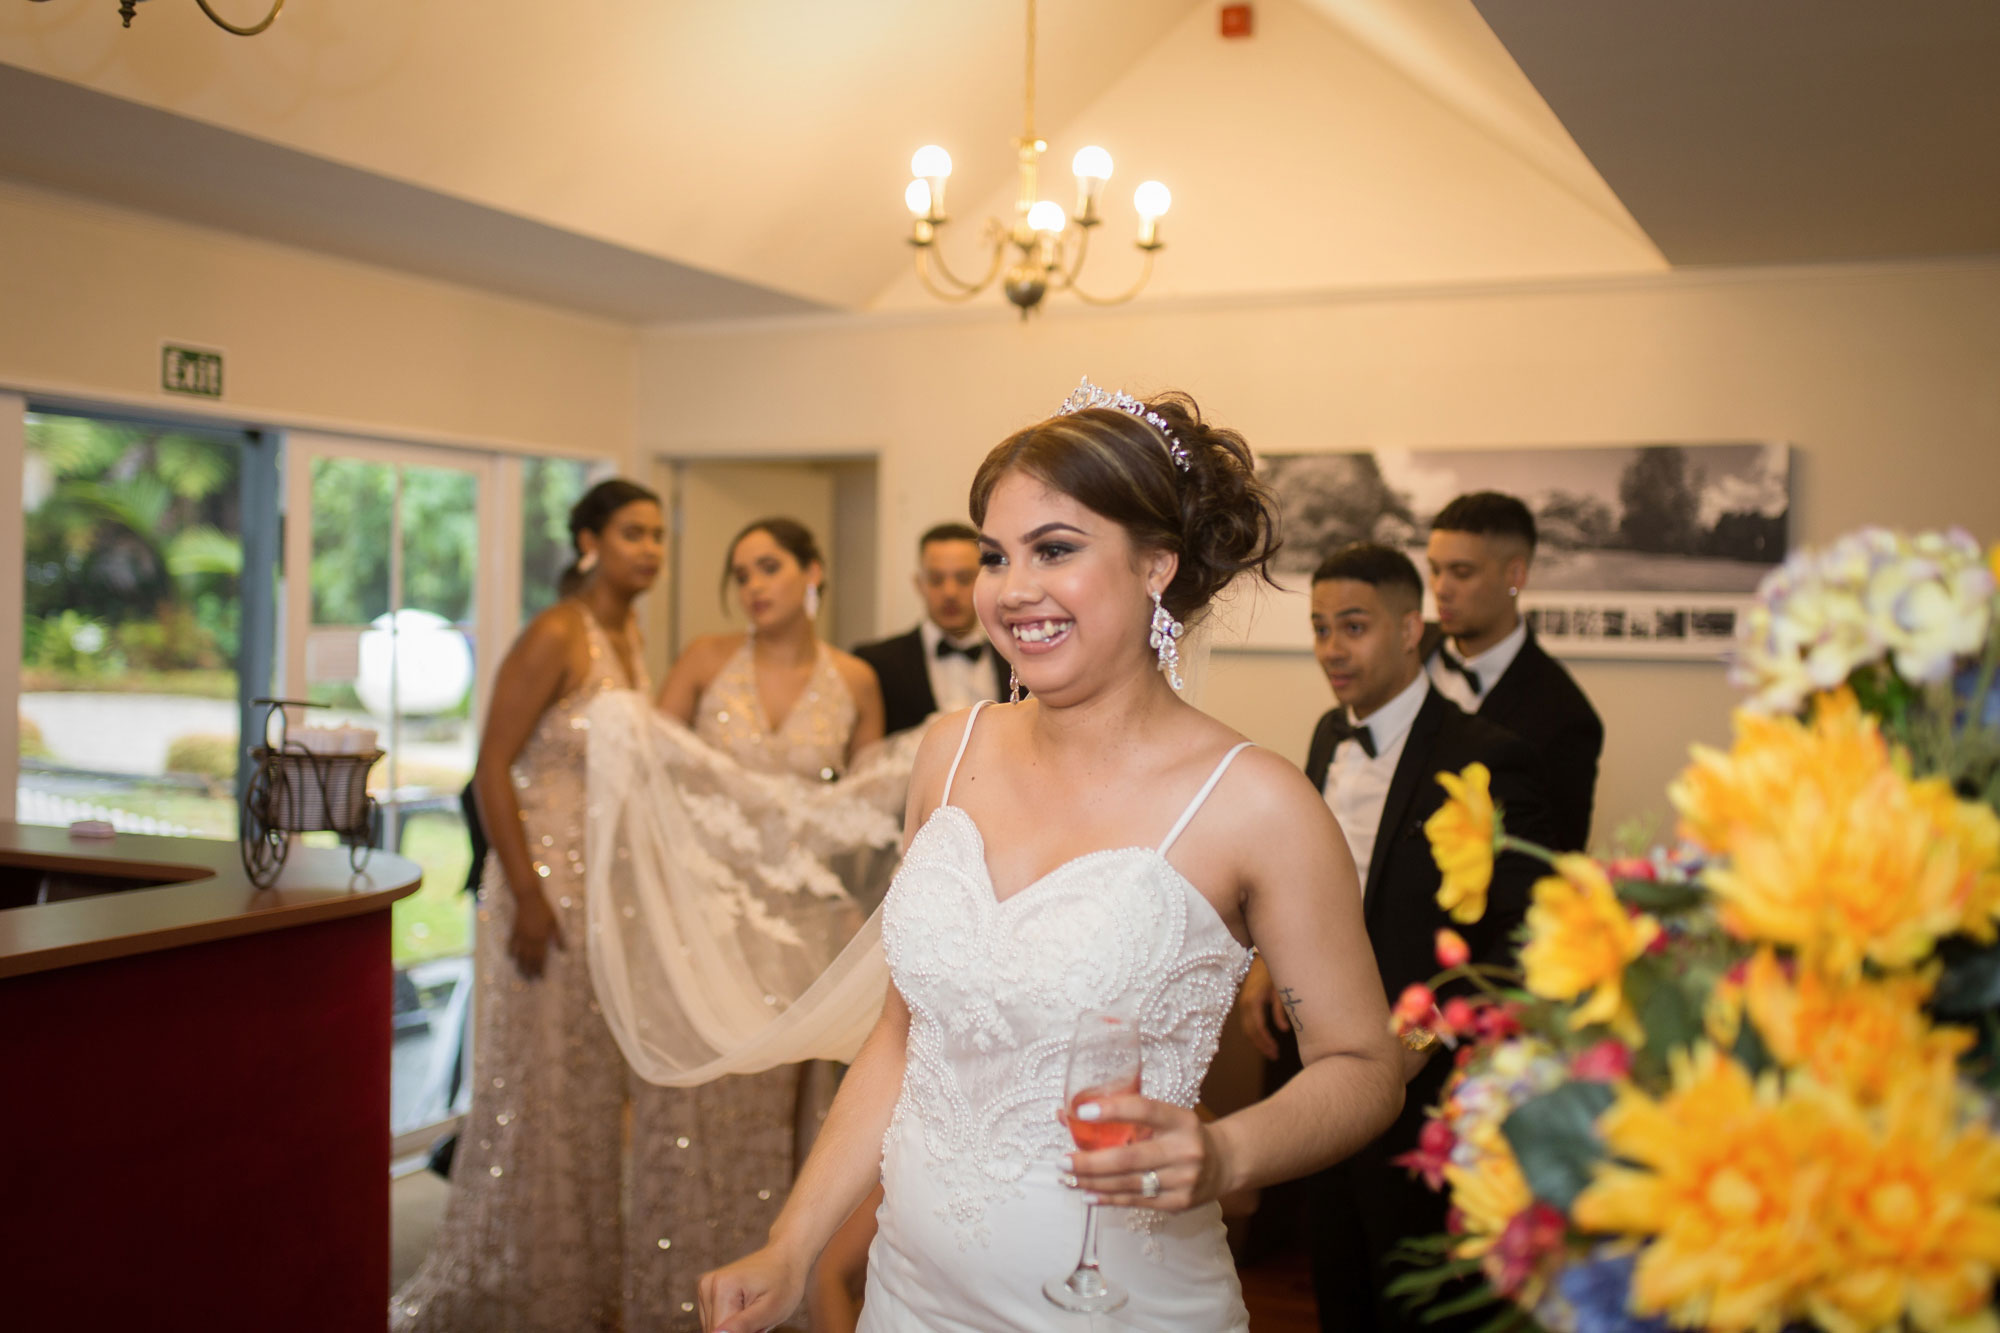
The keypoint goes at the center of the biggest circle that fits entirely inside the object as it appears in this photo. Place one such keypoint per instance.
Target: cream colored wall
(88, 293)
(1887, 381)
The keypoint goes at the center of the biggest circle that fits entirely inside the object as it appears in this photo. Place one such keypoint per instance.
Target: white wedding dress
(975, 1218)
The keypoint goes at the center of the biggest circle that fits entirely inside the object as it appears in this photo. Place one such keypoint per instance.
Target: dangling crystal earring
(1165, 641)
(812, 601)
(1013, 686)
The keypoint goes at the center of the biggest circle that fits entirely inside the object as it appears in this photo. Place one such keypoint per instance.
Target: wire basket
(310, 793)
(294, 790)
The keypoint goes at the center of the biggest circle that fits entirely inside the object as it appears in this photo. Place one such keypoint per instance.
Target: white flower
(1920, 602)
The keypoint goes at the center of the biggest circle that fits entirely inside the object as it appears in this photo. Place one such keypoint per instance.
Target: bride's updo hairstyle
(1216, 516)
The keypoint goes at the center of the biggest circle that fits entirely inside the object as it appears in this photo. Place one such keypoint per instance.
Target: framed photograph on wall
(1648, 550)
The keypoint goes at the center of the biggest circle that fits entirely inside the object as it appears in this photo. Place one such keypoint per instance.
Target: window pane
(132, 538)
(549, 488)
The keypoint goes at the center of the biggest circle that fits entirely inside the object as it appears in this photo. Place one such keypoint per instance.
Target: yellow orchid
(1727, 1180)
(1580, 937)
(1465, 836)
(1830, 847)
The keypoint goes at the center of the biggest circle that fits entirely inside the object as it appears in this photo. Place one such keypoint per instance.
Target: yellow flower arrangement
(1465, 836)
(1580, 937)
(1832, 848)
(1911, 1226)
(1727, 1179)
(1865, 1037)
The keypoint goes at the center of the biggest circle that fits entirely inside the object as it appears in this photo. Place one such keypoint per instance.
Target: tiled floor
(1278, 1289)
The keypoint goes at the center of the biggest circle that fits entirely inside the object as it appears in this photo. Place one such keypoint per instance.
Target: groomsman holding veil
(945, 663)
(1485, 659)
(1376, 757)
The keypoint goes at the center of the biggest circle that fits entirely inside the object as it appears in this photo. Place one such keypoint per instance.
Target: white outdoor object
(433, 661)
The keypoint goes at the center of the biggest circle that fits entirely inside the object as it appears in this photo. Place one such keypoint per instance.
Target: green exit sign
(190, 370)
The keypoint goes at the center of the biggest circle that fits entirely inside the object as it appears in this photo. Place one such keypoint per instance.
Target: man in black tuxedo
(1486, 659)
(1376, 757)
(945, 663)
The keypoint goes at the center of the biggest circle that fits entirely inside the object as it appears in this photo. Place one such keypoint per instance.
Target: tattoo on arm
(1290, 999)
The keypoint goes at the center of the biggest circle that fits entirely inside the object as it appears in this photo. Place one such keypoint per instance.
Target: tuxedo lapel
(1412, 771)
(1502, 701)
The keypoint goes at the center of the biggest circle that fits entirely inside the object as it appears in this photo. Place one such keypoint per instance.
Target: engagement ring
(1149, 1184)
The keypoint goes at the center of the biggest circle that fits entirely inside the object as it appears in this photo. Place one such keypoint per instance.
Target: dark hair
(1217, 516)
(1380, 567)
(590, 514)
(1486, 514)
(792, 536)
(948, 532)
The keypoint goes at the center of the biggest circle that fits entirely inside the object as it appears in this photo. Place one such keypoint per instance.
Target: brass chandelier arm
(1064, 279)
(250, 31)
(960, 289)
(1145, 272)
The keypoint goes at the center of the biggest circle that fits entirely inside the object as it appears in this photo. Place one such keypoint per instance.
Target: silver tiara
(1088, 395)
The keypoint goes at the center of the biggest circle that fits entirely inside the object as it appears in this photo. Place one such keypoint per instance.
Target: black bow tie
(1343, 730)
(1453, 664)
(970, 652)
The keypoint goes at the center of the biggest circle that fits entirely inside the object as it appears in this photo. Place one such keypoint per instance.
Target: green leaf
(1670, 1016)
(1508, 1320)
(1554, 1137)
(1478, 1298)
(1430, 1278)
(1750, 1050)
(202, 549)
(1657, 896)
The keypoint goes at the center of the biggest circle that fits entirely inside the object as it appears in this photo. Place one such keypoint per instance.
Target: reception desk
(194, 1086)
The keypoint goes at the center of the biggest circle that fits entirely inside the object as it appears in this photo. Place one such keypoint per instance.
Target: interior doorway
(709, 501)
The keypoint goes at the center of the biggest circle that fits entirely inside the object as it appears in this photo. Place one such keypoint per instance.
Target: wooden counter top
(202, 894)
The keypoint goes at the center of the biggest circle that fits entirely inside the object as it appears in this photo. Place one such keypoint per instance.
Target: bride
(1102, 845)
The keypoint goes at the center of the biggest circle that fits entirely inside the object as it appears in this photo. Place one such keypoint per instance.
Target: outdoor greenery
(131, 551)
(354, 503)
(549, 487)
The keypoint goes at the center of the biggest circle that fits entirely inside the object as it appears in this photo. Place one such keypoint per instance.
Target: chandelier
(128, 8)
(1043, 256)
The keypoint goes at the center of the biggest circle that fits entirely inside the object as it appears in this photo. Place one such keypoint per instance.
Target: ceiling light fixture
(1045, 260)
(128, 8)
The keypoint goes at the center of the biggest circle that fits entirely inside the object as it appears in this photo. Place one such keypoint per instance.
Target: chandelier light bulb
(930, 162)
(1047, 217)
(1092, 163)
(1152, 200)
(917, 198)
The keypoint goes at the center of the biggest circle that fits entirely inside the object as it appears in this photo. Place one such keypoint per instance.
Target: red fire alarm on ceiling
(1237, 21)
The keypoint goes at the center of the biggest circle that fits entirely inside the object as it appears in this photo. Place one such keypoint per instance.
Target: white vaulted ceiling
(678, 160)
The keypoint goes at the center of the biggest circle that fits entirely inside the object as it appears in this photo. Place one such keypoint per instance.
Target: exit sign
(190, 370)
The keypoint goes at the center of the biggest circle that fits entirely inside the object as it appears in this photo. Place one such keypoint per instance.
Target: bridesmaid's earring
(1013, 686)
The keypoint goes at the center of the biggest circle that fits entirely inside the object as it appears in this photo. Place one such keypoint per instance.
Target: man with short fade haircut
(1376, 757)
(945, 663)
(1486, 660)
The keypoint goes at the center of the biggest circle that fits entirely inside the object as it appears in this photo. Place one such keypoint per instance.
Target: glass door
(389, 618)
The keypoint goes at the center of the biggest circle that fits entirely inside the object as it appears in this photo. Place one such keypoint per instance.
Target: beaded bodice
(811, 740)
(545, 772)
(994, 988)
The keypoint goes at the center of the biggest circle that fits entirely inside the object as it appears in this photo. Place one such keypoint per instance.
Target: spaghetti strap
(963, 741)
(1200, 796)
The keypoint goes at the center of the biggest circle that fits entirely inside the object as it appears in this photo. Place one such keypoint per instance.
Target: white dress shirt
(1356, 786)
(1489, 666)
(956, 682)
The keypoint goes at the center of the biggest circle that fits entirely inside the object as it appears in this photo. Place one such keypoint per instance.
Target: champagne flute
(1103, 1062)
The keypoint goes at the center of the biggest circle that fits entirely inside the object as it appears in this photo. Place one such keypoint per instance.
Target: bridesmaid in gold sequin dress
(725, 1152)
(535, 1236)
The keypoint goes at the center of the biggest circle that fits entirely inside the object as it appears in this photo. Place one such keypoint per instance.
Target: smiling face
(770, 582)
(1064, 592)
(1365, 639)
(630, 548)
(947, 570)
